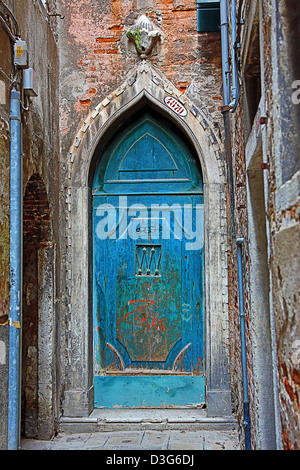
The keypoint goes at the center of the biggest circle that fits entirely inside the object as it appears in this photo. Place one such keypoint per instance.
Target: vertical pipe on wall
(235, 78)
(240, 242)
(226, 109)
(228, 150)
(225, 51)
(15, 307)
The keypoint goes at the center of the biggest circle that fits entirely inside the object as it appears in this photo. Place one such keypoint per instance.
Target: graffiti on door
(154, 323)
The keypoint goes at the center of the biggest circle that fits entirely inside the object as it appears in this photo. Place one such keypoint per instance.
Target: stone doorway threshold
(103, 419)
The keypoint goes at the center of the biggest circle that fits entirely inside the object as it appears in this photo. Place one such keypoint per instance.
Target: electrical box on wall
(20, 54)
(208, 16)
(30, 82)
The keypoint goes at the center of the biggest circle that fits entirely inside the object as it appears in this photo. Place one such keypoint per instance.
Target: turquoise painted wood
(147, 157)
(148, 271)
(149, 391)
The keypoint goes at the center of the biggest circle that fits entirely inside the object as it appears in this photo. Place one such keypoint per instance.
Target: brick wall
(285, 216)
(96, 54)
(241, 231)
(37, 234)
(36, 213)
(40, 148)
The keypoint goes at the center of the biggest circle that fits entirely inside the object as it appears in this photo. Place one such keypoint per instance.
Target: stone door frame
(144, 85)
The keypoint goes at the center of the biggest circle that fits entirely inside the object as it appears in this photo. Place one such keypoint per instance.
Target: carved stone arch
(145, 86)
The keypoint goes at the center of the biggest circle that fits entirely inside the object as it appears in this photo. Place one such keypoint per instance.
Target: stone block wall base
(218, 403)
(78, 403)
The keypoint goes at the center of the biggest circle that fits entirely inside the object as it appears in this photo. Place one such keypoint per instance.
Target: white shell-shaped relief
(143, 22)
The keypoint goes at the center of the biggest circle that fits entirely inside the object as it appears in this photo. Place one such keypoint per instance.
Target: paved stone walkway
(139, 440)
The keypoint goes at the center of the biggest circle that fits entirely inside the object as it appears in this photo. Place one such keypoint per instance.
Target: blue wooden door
(148, 271)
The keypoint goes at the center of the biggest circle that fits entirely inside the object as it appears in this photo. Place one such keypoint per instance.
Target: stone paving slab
(139, 440)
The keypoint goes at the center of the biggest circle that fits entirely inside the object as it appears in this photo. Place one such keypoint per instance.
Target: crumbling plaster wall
(284, 181)
(4, 229)
(40, 156)
(277, 141)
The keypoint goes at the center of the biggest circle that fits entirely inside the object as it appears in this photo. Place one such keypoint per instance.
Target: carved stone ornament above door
(144, 34)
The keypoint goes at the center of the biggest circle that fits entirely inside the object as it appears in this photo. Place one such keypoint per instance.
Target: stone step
(107, 420)
(143, 440)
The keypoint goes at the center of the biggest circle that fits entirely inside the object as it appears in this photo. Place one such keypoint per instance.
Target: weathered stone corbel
(144, 35)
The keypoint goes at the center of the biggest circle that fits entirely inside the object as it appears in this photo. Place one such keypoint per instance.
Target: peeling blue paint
(148, 271)
(149, 391)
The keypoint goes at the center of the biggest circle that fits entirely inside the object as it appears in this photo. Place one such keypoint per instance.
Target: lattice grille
(147, 260)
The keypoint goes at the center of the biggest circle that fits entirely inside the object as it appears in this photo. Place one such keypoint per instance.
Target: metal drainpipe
(226, 109)
(234, 45)
(228, 150)
(247, 428)
(225, 51)
(15, 306)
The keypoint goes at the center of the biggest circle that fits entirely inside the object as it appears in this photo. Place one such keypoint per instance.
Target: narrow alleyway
(149, 227)
(139, 440)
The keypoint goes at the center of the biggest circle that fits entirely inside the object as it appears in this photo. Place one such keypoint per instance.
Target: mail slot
(208, 16)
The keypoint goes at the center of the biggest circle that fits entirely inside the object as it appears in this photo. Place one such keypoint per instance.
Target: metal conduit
(246, 424)
(15, 305)
(231, 106)
(234, 45)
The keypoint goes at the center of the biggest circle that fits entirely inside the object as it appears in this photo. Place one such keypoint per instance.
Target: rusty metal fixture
(265, 166)
(263, 120)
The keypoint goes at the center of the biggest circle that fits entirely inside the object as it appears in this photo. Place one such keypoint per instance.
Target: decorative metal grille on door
(147, 260)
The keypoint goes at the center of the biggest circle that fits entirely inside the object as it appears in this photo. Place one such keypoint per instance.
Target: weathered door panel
(148, 391)
(148, 269)
(148, 299)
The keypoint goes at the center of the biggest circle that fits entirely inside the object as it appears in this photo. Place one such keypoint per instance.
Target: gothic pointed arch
(144, 88)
